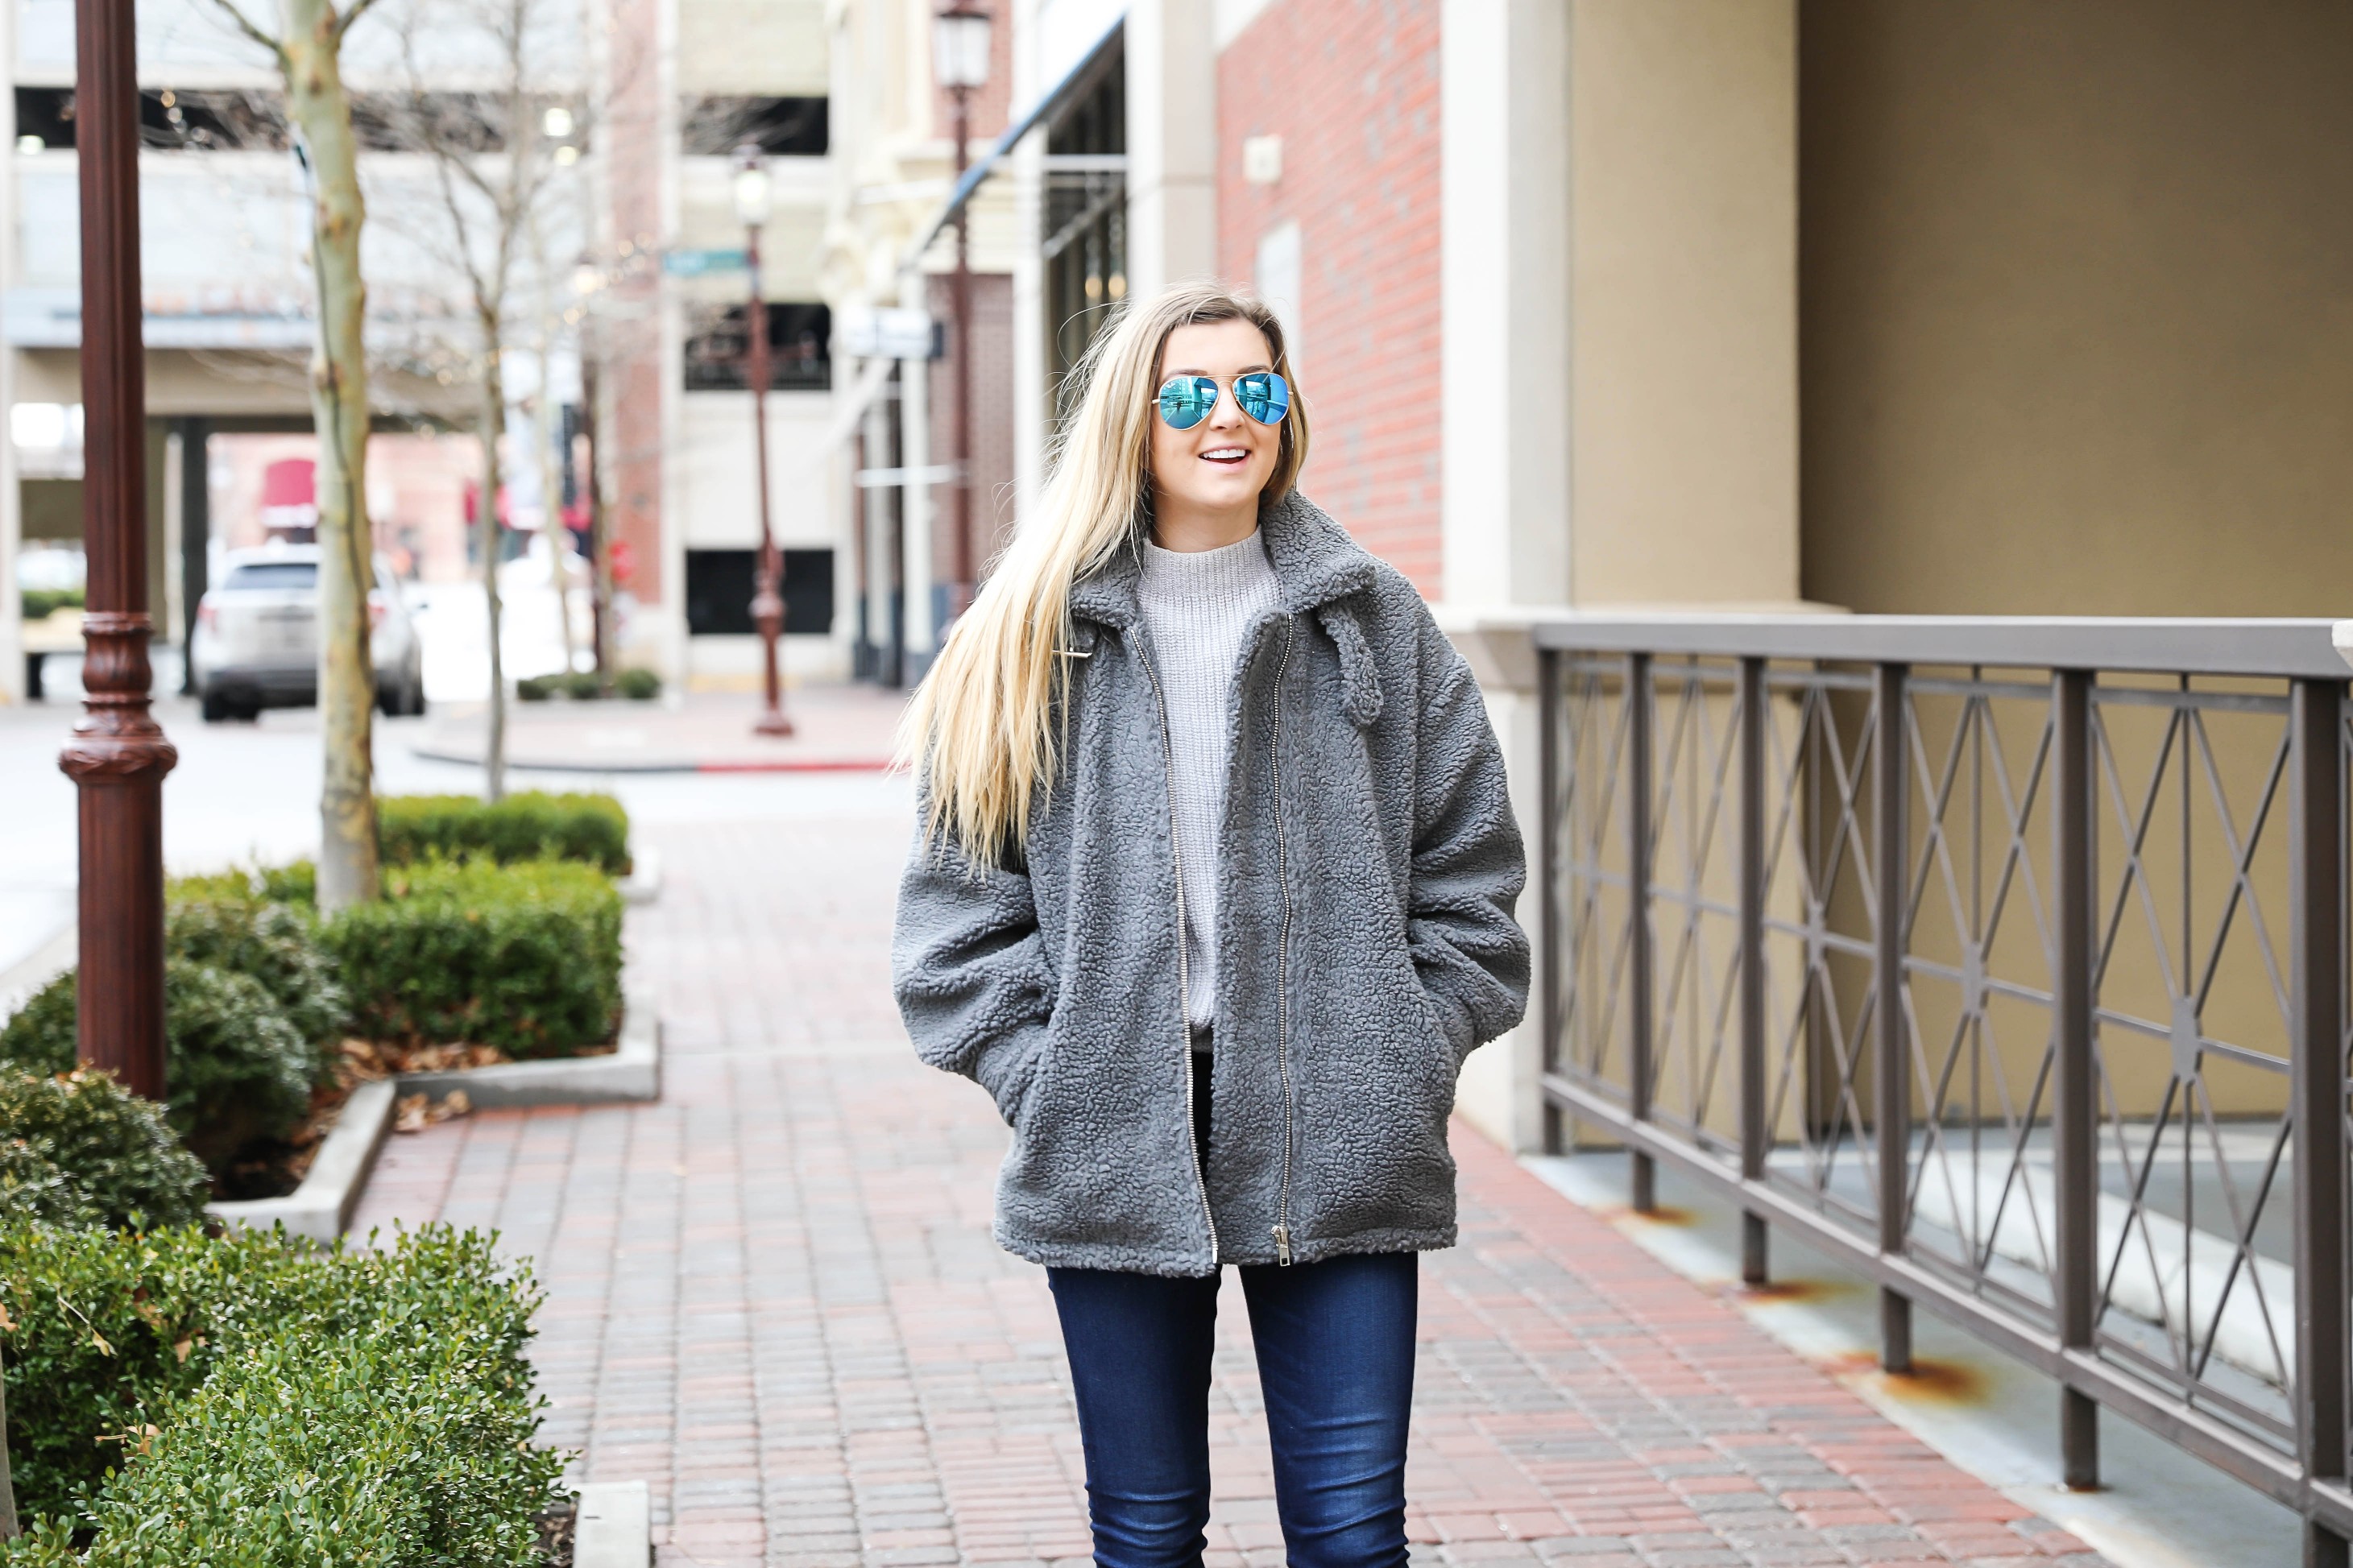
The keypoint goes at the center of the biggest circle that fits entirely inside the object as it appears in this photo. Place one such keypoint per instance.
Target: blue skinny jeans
(1335, 1346)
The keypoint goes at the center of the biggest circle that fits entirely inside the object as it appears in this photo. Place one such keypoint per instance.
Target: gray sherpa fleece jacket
(1366, 942)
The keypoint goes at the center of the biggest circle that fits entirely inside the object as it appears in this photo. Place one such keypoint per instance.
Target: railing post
(2074, 1092)
(1640, 1022)
(1756, 1138)
(1549, 945)
(2316, 997)
(1891, 863)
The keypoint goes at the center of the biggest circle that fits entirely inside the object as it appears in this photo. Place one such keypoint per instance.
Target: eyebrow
(1246, 369)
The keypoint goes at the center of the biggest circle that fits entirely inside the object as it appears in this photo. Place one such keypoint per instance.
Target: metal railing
(2004, 960)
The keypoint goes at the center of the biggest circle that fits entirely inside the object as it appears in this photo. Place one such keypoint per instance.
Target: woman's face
(1222, 463)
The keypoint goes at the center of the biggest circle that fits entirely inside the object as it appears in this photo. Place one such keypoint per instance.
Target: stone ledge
(322, 1207)
(614, 1528)
(643, 884)
(631, 1072)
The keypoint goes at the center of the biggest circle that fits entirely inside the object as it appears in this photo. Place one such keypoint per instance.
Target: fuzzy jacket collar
(1317, 568)
(1315, 562)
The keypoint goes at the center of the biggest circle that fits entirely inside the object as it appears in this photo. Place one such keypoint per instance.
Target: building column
(1172, 144)
(1619, 369)
(916, 497)
(1504, 382)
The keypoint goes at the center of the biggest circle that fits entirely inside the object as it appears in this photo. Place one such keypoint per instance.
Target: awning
(1049, 103)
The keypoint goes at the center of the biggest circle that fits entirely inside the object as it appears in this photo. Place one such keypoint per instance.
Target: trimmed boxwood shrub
(270, 1404)
(524, 957)
(237, 1070)
(274, 943)
(531, 825)
(637, 685)
(79, 1149)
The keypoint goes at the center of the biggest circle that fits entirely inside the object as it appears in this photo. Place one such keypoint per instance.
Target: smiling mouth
(1229, 455)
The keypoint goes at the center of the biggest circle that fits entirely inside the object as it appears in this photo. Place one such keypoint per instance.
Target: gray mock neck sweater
(1198, 605)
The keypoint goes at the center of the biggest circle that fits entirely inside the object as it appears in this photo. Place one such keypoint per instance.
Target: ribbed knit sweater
(1198, 605)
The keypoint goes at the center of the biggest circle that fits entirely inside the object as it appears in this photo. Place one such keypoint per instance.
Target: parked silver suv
(256, 644)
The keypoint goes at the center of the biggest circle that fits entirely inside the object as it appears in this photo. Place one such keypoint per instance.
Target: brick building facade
(1351, 89)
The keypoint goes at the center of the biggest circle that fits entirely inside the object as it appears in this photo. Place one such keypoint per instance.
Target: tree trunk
(321, 112)
(8, 1487)
(553, 533)
(493, 418)
(600, 546)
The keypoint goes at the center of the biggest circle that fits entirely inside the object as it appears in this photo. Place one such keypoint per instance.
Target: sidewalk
(836, 728)
(774, 1297)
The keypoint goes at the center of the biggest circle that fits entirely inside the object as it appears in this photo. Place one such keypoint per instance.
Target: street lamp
(960, 40)
(768, 597)
(118, 755)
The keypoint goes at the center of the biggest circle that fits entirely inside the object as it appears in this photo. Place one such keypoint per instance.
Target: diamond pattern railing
(2004, 959)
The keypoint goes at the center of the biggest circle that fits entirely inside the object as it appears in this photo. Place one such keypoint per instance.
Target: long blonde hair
(981, 727)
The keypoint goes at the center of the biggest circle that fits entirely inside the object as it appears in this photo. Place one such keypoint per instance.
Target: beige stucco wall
(2077, 295)
(1682, 321)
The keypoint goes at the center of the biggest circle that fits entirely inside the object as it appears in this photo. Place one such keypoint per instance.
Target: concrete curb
(633, 1072)
(643, 884)
(322, 1207)
(614, 1528)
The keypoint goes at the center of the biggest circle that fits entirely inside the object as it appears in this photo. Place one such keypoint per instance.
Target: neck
(1183, 526)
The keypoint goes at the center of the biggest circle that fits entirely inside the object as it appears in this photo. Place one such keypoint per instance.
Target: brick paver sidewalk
(773, 1296)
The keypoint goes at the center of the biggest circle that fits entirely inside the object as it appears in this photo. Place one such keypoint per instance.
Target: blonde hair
(981, 726)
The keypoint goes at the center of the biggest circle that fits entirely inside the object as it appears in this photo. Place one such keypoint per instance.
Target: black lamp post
(960, 41)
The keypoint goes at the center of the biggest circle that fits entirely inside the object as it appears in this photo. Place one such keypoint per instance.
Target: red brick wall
(1351, 86)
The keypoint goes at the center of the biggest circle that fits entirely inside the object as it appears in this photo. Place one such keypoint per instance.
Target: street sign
(696, 263)
(892, 332)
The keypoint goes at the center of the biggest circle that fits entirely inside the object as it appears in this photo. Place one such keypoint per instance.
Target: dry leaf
(413, 1114)
(100, 1341)
(8, 1323)
(182, 1348)
(459, 1103)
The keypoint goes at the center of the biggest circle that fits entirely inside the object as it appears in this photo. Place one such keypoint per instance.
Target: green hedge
(524, 957)
(40, 603)
(270, 1404)
(78, 1149)
(236, 1068)
(534, 826)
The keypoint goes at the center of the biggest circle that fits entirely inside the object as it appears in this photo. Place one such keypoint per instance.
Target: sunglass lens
(1186, 401)
(1264, 397)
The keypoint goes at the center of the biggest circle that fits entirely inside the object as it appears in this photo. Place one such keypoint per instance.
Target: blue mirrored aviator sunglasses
(1186, 400)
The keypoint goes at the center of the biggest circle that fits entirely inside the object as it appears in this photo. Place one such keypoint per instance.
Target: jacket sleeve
(1468, 866)
(968, 967)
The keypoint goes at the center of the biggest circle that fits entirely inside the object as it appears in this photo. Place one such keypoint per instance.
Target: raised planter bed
(322, 1207)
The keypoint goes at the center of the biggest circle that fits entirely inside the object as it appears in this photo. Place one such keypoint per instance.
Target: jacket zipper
(1283, 949)
(1184, 977)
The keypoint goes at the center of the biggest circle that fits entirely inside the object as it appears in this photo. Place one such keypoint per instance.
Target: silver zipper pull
(1282, 1245)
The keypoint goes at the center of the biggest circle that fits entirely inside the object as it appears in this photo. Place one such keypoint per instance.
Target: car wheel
(215, 709)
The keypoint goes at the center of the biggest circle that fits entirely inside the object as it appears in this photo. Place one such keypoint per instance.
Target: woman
(1213, 893)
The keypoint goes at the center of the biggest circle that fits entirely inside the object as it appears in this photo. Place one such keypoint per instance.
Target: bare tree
(7, 1486)
(501, 159)
(308, 51)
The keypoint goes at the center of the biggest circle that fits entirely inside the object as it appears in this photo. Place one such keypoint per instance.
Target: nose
(1227, 415)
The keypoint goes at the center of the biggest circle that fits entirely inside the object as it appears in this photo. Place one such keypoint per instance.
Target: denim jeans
(1334, 1344)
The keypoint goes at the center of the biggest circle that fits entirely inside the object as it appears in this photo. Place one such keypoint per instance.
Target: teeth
(1226, 452)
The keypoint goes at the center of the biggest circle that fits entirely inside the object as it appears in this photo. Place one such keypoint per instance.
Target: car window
(273, 575)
